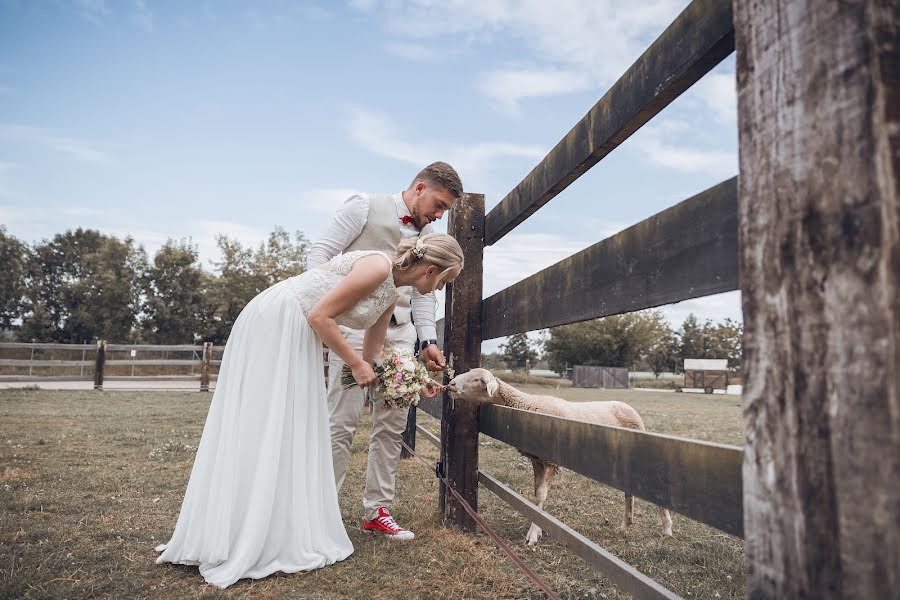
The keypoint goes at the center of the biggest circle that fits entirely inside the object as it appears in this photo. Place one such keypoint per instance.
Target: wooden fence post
(99, 363)
(819, 224)
(462, 346)
(409, 434)
(205, 365)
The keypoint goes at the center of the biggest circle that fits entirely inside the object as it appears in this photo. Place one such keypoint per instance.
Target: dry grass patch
(91, 481)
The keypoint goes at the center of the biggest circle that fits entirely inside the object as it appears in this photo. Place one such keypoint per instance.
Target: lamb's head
(477, 385)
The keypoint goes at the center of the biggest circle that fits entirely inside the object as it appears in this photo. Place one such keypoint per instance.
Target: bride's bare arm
(366, 275)
(373, 341)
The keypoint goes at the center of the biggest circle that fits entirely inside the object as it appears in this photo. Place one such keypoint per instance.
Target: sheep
(480, 385)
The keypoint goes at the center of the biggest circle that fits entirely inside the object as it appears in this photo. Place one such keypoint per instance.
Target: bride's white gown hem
(261, 496)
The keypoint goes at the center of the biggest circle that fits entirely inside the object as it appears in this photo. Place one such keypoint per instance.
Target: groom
(379, 222)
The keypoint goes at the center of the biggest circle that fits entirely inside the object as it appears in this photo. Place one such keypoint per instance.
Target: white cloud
(75, 148)
(595, 39)
(409, 51)
(668, 144)
(325, 200)
(142, 17)
(473, 161)
(518, 256)
(507, 88)
(716, 92)
(91, 10)
(717, 308)
(363, 5)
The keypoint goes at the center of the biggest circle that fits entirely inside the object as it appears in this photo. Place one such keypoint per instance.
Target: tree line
(641, 340)
(84, 285)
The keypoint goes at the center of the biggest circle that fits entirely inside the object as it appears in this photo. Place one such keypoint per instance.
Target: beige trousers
(345, 408)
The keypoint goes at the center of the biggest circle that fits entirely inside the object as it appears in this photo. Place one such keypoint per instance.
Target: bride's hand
(432, 389)
(364, 374)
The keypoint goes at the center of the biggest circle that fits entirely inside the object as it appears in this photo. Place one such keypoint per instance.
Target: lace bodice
(311, 286)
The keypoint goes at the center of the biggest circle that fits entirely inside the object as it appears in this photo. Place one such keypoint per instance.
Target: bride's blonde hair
(438, 249)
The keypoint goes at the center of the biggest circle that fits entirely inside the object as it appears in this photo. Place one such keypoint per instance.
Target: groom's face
(430, 202)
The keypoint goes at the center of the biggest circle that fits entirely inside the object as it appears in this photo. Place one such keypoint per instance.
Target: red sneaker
(384, 524)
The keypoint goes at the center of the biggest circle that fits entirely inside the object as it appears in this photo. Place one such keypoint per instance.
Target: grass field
(91, 481)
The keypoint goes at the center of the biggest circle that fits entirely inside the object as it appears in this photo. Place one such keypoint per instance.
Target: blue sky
(161, 119)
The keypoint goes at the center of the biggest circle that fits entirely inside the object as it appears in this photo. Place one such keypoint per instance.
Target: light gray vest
(382, 232)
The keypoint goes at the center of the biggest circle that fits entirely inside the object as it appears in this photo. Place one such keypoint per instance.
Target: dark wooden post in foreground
(205, 366)
(462, 347)
(99, 364)
(819, 126)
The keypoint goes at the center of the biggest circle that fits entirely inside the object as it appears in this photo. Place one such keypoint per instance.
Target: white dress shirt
(346, 226)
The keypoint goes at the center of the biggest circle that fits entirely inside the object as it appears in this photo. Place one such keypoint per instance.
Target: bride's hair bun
(438, 249)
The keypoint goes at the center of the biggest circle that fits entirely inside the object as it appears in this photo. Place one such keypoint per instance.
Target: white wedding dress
(261, 497)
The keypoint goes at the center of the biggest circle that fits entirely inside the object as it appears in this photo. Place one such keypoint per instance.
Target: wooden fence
(692, 250)
(587, 376)
(99, 361)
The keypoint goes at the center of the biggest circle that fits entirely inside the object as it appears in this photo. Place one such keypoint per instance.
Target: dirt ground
(91, 481)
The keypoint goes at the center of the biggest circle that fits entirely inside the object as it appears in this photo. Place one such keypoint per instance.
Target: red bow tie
(408, 220)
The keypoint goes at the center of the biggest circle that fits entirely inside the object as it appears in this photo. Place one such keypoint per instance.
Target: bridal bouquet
(401, 378)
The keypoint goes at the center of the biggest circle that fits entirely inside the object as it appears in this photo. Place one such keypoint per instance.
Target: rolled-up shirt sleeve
(345, 227)
(423, 309)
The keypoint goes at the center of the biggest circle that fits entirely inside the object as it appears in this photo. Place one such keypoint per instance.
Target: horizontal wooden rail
(435, 440)
(700, 480)
(626, 577)
(699, 38)
(24, 362)
(109, 347)
(686, 251)
(157, 348)
(39, 346)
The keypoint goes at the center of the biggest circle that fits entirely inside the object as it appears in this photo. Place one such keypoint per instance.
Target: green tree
(726, 341)
(709, 340)
(244, 273)
(83, 285)
(615, 341)
(518, 351)
(663, 356)
(176, 307)
(13, 257)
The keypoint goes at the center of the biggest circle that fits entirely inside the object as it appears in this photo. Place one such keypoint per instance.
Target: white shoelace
(389, 523)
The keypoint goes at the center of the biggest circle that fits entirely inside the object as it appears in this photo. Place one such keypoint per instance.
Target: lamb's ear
(492, 386)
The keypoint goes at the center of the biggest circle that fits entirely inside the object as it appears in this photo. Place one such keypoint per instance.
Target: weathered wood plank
(205, 366)
(819, 131)
(700, 480)
(687, 251)
(24, 362)
(699, 38)
(155, 348)
(459, 426)
(152, 362)
(99, 363)
(429, 436)
(48, 346)
(626, 577)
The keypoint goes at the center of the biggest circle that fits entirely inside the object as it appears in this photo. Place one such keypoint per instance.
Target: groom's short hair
(441, 174)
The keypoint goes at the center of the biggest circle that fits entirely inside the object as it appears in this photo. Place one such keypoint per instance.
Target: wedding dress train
(261, 496)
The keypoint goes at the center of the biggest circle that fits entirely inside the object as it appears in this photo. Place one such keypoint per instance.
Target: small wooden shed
(707, 374)
(600, 377)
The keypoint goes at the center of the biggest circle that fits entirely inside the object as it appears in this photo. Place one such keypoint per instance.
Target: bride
(261, 497)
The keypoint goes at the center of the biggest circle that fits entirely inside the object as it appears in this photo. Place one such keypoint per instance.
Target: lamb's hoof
(667, 532)
(532, 537)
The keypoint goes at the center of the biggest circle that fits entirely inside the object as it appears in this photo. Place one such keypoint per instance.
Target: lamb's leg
(665, 521)
(628, 518)
(543, 480)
